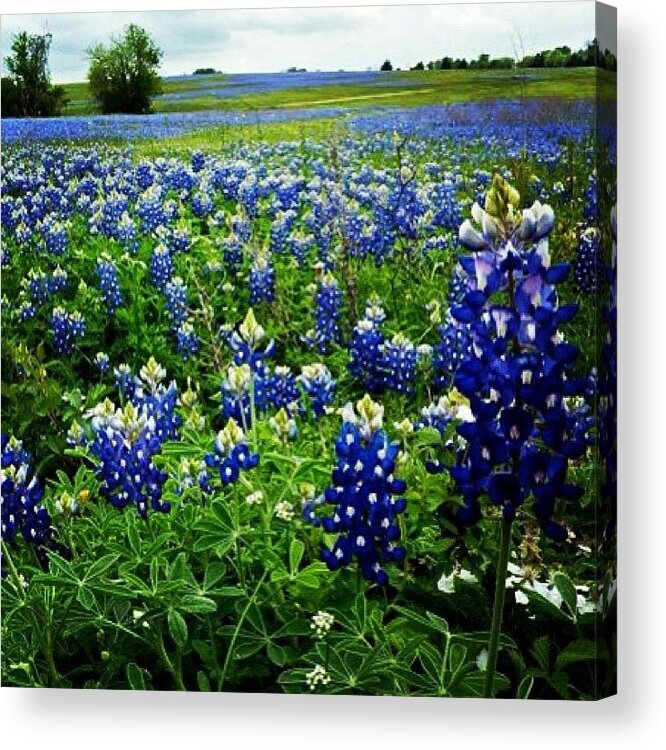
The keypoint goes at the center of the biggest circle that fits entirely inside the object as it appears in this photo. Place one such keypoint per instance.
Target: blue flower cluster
(127, 440)
(66, 328)
(231, 453)
(366, 349)
(22, 512)
(319, 385)
(365, 495)
(107, 274)
(262, 280)
(522, 430)
(588, 267)
(453, 348)
(327, 314)
(161, 267)
(401, 358)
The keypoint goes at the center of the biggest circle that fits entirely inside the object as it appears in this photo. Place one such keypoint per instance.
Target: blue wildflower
(365, 494)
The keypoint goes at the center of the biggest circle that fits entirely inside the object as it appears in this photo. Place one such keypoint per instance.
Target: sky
(351, 38)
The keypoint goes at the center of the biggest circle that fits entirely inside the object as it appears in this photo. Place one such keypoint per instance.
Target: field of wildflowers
(329, 412)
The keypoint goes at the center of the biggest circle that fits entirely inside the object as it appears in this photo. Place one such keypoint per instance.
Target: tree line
(561, 57)
(122, 75)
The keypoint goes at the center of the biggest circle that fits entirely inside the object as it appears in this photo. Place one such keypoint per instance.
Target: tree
(386, 65)
(28, 91)
(123, 76)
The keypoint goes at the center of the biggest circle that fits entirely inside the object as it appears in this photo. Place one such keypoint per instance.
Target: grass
(409, 88)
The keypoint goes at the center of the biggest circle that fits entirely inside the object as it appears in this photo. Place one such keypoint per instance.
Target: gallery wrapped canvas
(309, 351)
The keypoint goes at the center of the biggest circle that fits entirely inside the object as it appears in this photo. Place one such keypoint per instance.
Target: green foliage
(28, 91)
(123, 75)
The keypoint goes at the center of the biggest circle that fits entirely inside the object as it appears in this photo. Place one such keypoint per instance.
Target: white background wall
(96, 721)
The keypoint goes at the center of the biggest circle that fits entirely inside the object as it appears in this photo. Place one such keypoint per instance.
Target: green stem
(173, 671)
(239, 624)
(13, 572)
(498, 606)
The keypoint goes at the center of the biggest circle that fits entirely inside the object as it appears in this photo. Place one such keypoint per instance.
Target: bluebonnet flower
(102, 362)
(453, 348)
(262, 280)
(607, 386)
(37, 285)
(108, 285)
(517, 377)
(283, 425)
(365, 494)
(588, 267)
(366, 348)
(22, 512)
(202, 205)
(161, 267)
(400, 358)
(327, 315)
(176, 301)
(127, 440)
(55, 236)
(198, 161)
(319, 385)
(239, 388)
(282, 391)
(26, 311)
(231, 453)
(180, 239)
(187, 341)
(232, 253)
(58, 281)
(591, 208)
(126, 382)
(458, 286)
(446, 205)
(66, 328)
(245, 344)
(441, 413)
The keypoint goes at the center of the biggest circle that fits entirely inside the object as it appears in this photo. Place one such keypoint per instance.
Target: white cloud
(353, 38)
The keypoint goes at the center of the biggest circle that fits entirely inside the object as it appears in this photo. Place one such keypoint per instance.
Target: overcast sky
(246, 41)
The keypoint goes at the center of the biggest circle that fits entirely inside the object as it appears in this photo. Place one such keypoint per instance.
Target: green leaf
(568, 591)
(296, 550)
(539, 605)
(541, 652)
(177, 628)
(86, 598)
(203, 682)
(215, 530)
(154, 573)
(135, 677)
(525, 687)
(62, 568)
(580, 650)
(215, 572)
(197, 605)
(100, 566)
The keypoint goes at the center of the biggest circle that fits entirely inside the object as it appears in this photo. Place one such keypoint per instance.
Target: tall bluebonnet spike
(109, 285)
(523, 426)
(231, 453)
(66, 328)
(127, 440)
(319, 385)
(328, 300)
(366, 348)
(161, 267)
(22, 512)
(365, 494)
(401, 358)
(262, 280)
(588, 267)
